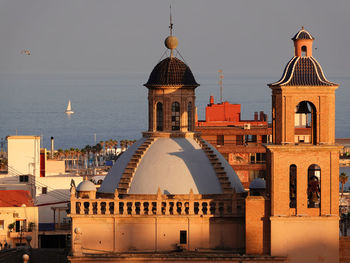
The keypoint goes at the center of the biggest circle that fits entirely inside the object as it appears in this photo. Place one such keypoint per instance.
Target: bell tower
(303, 161)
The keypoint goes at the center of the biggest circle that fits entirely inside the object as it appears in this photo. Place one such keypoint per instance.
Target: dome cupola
(303, 69)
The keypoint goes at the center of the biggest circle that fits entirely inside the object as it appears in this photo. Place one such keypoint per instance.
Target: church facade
(173, 197)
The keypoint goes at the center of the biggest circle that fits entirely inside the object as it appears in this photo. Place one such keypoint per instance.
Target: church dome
(86, 186)
(303, 71)
(171, 71)
(175, 165)
(302, 34)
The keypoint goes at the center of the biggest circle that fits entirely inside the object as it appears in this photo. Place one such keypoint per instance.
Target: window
(314, 186)
(23, 178)
(2, 224)
(292, 186)
(159, 116)
(189, 117)
(303, 51)
(175, 116)
(20, 225)
(305, 123)
(44, 190)
(183, 237)
(250, 138)
(220, 140)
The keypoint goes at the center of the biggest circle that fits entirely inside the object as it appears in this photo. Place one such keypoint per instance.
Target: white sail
(69, 108)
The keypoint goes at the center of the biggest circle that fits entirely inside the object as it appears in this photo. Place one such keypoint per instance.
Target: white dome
(175, 165)
(86, 186)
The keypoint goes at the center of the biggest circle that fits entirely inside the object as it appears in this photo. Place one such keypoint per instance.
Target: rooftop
(15, 198)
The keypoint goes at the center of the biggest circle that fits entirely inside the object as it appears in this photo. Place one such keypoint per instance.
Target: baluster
(116, 207)
(200, 207)
(167, 208)
(191, 207)
(98, 208)
(133, 208)
(142, 211)
(107, 208)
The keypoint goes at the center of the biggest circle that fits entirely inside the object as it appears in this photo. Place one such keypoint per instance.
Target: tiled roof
(302, 34)
(10, 198)
(303, 71)
(171, 71)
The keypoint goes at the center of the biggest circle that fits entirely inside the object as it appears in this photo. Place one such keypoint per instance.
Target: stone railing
(158, 205)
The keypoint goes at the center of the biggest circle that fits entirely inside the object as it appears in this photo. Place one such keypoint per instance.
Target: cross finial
(171, 23)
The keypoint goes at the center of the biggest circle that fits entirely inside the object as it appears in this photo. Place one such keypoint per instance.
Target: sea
(114, 106)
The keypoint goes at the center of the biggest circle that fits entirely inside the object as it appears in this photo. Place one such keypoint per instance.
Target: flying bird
(25, 52)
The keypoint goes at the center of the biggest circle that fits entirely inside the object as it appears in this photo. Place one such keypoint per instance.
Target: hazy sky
(111, 36)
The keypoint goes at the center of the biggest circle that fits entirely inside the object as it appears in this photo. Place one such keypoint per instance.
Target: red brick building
(239, 141)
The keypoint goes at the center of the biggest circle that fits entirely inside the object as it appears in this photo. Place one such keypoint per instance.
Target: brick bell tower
(303, 161)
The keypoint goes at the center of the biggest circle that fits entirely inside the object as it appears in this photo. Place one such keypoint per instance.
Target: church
(173, 197)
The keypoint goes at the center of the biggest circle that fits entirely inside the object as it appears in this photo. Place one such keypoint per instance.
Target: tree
(343, 178)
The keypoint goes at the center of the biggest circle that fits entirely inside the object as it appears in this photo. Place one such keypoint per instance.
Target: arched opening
(159, 116)
(305, 123)
(314, 186)
(175, 116)
(303, 51)
(293, 186)
(189, 117)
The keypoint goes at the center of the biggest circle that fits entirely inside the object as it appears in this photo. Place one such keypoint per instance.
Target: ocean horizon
(114, 106)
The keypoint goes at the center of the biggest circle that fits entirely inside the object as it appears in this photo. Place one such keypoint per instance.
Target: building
(173, 191)
(239, 141)
(19, 219)
(303, 175)
(48, 183)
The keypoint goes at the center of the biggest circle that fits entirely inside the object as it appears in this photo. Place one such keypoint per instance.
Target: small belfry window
(159, 116)
(293, 186)
(314, 186)
(303, 51)
(189, 117)
(175, 116)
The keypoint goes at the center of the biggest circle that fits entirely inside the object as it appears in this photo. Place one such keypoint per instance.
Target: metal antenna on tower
(221, 76)
(171, 23)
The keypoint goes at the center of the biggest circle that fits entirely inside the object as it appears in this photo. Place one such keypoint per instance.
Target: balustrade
(167, 207)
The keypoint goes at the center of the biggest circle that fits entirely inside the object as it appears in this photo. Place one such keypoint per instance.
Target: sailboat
(69, 108)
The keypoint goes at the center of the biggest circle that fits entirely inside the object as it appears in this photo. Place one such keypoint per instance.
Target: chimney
(211, 100)
(52, 147)
(262, 116)
(255, 116)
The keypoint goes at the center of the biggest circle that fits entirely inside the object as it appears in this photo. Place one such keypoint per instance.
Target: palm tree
(343, 178)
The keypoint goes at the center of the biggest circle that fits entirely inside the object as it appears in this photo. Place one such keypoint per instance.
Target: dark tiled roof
(171, 71)
(10, 198)
(303, 71)
(302, 34)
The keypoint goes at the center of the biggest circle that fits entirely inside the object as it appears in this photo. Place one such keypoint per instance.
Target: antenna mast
(221, 76)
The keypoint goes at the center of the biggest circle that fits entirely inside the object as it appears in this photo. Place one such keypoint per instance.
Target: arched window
(305, 123)
(189, 117)
(303, 51)
(159, 116)
(293, 186)
(175, 116)
(314, 186)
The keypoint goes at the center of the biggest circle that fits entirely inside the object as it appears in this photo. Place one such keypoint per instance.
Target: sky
(251, 37)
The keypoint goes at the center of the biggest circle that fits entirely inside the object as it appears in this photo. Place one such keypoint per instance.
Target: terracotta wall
(305, 239)
(129, 233)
